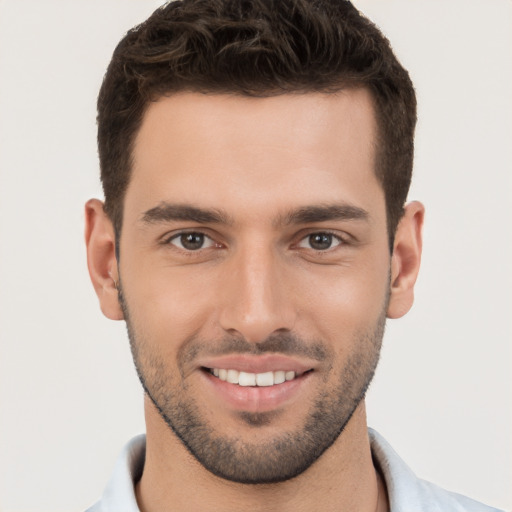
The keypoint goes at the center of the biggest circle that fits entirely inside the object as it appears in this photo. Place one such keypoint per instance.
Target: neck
(343, 478)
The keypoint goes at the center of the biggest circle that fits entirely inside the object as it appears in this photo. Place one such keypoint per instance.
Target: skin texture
(261, 177)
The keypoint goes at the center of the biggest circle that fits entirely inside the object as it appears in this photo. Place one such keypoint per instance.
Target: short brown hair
(255, 48)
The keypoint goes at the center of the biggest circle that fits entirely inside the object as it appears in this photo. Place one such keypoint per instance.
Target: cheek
(167, 305)
(345, 302)
(170, 304)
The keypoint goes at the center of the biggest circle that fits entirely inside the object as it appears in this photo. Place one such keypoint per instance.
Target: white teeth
(253, 379)
(265, 379)
(247, 379)
(279, 377)
(289, 375)
(232, 376)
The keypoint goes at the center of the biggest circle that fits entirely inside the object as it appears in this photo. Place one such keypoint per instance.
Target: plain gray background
(69, 395)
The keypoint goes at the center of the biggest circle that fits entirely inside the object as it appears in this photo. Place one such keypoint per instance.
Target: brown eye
(192, 241)
(320, 241)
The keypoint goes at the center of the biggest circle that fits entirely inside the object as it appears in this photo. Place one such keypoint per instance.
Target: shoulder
(408, 493)
(97, 507)
(119, 494)
(443, 500)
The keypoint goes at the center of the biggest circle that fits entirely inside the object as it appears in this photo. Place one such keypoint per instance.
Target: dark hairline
(264, 49)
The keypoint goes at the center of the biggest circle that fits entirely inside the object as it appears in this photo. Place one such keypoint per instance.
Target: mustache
(285, 343)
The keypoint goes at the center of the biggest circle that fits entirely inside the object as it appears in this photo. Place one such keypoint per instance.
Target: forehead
(212, 149)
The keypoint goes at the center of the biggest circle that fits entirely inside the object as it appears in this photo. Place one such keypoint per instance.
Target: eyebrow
(322, 213)
(167, 212)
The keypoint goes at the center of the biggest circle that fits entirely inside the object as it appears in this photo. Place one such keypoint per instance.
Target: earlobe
(101, 258)
(405, 261)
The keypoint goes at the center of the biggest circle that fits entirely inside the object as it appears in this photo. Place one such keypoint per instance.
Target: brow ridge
(323, 213)
(168, 212)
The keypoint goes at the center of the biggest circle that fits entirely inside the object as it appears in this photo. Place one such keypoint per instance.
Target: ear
(405, 261)
(101, 258)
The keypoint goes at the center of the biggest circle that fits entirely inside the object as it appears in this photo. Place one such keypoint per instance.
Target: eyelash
(334, 236)
(177, 236)
(341, 240)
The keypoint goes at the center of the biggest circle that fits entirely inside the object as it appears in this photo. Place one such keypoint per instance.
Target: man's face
(254, 249)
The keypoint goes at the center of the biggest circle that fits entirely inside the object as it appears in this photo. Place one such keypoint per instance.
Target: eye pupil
(320, 241)
(192, 241)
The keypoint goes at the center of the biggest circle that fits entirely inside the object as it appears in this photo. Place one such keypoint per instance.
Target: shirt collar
(405, 491)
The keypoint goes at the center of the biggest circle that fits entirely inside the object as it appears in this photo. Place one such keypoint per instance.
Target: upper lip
(256, 363)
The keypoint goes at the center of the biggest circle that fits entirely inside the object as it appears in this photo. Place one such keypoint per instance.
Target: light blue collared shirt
(406, 492)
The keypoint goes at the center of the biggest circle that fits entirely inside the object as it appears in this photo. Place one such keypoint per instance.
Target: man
(256, 159)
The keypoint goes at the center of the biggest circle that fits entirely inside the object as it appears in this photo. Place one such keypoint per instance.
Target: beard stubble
(282, 456)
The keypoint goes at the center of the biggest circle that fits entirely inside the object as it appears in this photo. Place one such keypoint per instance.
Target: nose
(256, 299)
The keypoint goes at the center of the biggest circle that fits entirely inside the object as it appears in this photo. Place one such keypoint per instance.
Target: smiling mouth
(246, 379)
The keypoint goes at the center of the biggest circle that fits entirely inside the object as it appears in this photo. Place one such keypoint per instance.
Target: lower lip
(256, 398)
